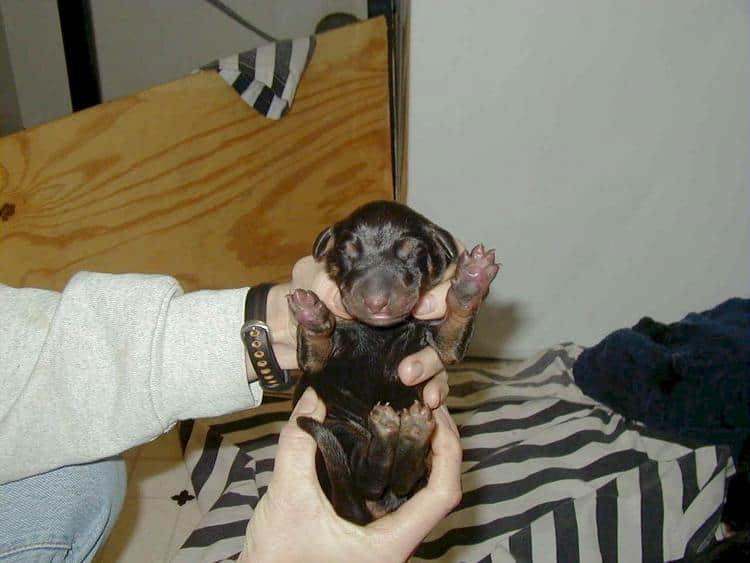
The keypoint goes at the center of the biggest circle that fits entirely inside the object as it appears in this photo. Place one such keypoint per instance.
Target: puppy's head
(383, 257)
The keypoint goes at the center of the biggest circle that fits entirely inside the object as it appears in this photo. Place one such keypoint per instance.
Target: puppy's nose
(376, 303)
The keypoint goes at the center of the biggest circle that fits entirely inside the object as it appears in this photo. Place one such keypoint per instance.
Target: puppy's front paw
(474, 274)
(310, 311)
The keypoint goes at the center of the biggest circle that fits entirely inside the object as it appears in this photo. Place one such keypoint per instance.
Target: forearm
(110, 363)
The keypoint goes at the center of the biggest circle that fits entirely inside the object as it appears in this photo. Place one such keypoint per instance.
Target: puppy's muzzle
(379, 300)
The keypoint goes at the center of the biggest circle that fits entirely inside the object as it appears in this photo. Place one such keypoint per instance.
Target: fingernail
(424, 307)
(433, 400)
(307, 402)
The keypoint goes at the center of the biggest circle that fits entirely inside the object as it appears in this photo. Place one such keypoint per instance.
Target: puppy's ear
(323, 243)
(446, 242)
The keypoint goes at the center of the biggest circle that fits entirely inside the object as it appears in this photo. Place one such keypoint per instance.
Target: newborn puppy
(374, 443)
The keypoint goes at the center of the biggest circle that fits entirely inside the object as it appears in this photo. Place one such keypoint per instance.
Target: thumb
(295, 457)
(325, 288)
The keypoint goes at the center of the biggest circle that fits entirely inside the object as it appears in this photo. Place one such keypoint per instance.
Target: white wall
(602, 146)
(10, 112)
(141, 43)
(35, 80)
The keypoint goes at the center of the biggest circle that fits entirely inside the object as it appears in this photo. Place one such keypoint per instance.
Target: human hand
(294, 521)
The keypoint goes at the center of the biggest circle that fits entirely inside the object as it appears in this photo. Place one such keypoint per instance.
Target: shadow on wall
(496, 322)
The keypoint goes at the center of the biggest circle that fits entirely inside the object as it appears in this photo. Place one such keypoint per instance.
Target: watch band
(257, 338)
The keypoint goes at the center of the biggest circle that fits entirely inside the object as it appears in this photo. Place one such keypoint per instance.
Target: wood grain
(186, 179)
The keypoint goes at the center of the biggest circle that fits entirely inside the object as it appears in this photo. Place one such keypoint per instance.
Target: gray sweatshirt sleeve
(112, 362)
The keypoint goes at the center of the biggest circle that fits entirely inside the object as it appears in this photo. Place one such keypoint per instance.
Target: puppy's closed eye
(352, 249)
(406, 248)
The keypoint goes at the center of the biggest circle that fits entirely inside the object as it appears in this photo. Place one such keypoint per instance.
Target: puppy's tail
(343, 497)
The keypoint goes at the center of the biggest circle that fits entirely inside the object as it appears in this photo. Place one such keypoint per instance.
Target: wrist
(265, 333)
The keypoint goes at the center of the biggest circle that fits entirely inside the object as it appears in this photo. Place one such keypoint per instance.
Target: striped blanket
(548, 475)
(267, 78)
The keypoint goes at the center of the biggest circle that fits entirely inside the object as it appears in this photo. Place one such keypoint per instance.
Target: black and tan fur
(374, 442)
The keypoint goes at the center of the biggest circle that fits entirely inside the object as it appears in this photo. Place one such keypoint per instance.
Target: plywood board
(188, 180)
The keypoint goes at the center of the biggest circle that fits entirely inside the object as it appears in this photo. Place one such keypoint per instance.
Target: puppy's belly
(349, 392)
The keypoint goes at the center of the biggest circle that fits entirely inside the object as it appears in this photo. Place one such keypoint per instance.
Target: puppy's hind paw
(417, 424)
(384, 420)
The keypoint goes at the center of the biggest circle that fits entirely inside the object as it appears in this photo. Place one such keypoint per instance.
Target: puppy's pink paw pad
(309, 310)
(475, 273)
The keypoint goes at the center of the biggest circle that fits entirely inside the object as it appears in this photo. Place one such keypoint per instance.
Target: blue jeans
(63, 515)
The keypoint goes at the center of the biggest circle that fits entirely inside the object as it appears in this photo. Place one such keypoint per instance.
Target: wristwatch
(257, 339)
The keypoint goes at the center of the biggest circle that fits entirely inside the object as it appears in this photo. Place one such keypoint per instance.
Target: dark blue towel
(690, 378)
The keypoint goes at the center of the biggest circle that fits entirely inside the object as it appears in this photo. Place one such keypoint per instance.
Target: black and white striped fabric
(266, 78)
(548, 475)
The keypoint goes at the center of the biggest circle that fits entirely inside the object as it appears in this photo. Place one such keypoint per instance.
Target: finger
(304, 272)
(432, 305)
(420, 366)
(329, 293)
(435, 392)
(295, 456)
(420, 514)
(450, 422)
(309, 404)
(446, 453)
(309, 273)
